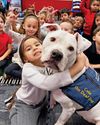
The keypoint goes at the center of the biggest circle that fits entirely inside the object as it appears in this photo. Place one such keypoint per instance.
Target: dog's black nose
(56, 55)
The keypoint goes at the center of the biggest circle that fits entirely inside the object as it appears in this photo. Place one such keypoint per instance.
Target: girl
(5, 46)
(93, 52)
(31, 28)
(67, 26)
(42, 15)
(14, 25)
(96, 22)
(78, 24)
(89, 15)
(31, 96)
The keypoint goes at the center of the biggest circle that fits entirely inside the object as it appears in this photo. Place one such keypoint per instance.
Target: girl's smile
(32, 50)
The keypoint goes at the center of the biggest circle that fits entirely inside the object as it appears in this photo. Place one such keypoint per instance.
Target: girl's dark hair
(35, 17)
(2, 17)
(64, 10)
(93, 1)
(94, 24)
(21, 47)
(96, 31)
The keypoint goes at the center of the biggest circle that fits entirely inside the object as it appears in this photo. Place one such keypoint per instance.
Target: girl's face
(78, 22)
(1, 24)
(95, 6)
(97, 21)
(31, 26)
(42, 18)
(96, 38)
(32, 51)
(64, 17)
(67, 27)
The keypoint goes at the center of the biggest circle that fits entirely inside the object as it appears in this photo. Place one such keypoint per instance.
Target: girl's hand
(79, 65)
(11, 18)
(52, 102)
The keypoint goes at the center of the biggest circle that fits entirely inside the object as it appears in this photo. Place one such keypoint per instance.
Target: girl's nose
(31, 28)
(34, 48)
(99, 23)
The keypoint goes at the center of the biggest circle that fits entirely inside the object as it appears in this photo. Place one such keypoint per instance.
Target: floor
(6, 89)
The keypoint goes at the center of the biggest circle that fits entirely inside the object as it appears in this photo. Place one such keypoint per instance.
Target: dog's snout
(56, 55)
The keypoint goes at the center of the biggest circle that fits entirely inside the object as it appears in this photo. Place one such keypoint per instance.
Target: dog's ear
(82, 43)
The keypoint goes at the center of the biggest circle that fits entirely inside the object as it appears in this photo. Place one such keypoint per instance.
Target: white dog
(60, 50)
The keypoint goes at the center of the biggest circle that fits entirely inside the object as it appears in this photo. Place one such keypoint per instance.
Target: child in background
(78, 24)
(31, 96)
(89, 15)
(64, 15)
(14, 25)
(5, 46)
(42, 15)
(96, 22)
(31, 28)
(50, 18)
(93, 53)
(67, 26)
(30, 10)
(97, 19)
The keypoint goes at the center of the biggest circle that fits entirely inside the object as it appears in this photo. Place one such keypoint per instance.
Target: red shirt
(4, 41)
(87, 4)
(89, 18)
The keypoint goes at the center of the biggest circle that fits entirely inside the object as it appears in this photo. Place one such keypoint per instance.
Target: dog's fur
(67, 46)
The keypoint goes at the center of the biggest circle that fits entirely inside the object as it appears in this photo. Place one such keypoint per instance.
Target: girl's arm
(82, 61)
(83, 7)
(17, 37)
(54, 81)
(88, 2)
(7, 53)
(95, 66)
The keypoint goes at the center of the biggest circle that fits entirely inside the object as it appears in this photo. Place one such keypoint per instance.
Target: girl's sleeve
(83, 6)
(14, 35)
(9, 40)
(88, 2)
(46, 82)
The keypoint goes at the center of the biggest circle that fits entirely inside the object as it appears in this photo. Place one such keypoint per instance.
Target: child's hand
(87, 64)
(52, 102)
(79, 65)
(81, 59)
(11, 18)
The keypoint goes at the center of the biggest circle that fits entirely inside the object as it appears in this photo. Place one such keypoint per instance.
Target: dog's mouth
(52, 64)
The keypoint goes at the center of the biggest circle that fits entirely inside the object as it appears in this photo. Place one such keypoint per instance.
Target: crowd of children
(20, 53)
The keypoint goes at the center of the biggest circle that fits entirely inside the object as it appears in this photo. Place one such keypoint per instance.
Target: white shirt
(17, 38)
(35, 83)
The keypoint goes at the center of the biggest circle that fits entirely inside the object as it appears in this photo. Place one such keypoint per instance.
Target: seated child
(93, 53)
(5, 46)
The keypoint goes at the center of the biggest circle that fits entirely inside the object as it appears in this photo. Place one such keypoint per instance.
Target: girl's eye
(1, 22)
(37, 44)
(28, 49)
(29, 26)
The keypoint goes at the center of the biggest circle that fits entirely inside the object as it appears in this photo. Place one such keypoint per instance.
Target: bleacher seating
(9, 81)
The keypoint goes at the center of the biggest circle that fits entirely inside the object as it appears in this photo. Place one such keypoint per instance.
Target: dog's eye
(71, 48)
(52, 39)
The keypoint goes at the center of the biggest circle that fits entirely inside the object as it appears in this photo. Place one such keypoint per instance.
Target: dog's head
(60, 49)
